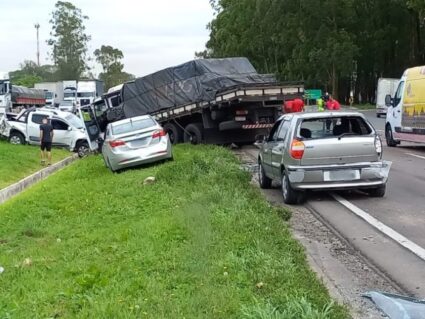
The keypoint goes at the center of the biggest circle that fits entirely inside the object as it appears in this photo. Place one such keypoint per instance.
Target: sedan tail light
(159, 134)
(297, 149)
(116, 143)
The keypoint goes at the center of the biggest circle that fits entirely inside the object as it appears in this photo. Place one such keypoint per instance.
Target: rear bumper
(313, 177)
(381, 110)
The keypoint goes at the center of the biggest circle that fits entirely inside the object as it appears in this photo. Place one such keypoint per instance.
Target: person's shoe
(43, 163)
(48, 164)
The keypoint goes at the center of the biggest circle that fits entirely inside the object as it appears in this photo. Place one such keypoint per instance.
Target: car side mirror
(388, 100)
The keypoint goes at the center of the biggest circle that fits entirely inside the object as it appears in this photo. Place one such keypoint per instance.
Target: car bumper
(367, 175)
(151, 154)
(381, 111)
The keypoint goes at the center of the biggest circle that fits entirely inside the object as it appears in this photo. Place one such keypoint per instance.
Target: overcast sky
(153, 34)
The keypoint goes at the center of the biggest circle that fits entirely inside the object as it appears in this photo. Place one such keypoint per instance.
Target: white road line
(414, 248)
(418, 156)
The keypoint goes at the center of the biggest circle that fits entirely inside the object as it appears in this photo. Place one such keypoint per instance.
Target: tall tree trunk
(334, 82)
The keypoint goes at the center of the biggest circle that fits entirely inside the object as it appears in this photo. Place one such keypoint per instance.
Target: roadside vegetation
(19, 161)
(366, 106)
(200, 242)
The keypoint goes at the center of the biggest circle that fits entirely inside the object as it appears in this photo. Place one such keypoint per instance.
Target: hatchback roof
(309, 115)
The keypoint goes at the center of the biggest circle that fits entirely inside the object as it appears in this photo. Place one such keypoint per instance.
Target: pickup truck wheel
(263, 180)
(16, 138)
(83, 149)
(290, 196)
(175, 133)
(193, 133)
(389, 136)
(378, 191)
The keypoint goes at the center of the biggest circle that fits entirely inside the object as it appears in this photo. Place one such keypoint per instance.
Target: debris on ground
(397, 306)
(149, 180)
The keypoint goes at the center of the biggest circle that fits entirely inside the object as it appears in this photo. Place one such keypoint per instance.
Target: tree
(110, 59)
(30, 73)
(68, 40)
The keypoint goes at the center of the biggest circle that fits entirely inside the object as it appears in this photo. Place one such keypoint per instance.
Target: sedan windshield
(132, 126)
(319, 128)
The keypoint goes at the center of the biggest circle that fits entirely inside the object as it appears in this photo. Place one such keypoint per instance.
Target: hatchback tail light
(159, 134)
(297, 149)
(378, 145)
(116, 143)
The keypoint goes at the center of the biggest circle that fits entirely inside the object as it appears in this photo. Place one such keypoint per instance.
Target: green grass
(201, 242)
(366, 106)
(19, 161)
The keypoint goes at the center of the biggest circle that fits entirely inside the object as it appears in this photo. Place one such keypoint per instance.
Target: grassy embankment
(19, 161)
(201, 242)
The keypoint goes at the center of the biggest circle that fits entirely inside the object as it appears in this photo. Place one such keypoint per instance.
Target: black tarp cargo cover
(191, 82)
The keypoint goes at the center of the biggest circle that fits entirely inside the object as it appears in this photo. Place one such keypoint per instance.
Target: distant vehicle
(70, 90)
(406, 109)
(385, 86)
(217, 101)
(88, 91)
(135, 141)
(69, 130)
(53, 91)
(67, 106)
(323, 151)
(13, 98)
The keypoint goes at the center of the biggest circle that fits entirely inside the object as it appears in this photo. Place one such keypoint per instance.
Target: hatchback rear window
(319, 128)
(132, 126)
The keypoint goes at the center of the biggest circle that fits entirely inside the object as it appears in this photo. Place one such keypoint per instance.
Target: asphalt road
(402, 211)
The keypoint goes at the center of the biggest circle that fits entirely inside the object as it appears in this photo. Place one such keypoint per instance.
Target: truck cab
(5, 95)
(406, 109)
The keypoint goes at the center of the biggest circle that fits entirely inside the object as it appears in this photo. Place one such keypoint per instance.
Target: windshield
(49, 95)
(69, 94)
(67, 103)
(74, 121)
(132, 126)
(319, 128)
(3, 87)
(85, 94)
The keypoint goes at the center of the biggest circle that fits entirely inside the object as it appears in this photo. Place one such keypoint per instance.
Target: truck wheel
(263, 180)
(175, 133)
(389, 136)
(82, 149)
(378, 191)
(290, 196)
(193, 133)
(16, 138)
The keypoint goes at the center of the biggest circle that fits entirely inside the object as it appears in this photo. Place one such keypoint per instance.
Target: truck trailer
(14, 98)
(217, 101)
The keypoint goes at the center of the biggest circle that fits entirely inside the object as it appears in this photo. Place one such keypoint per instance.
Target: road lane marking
(403, 241)
(415, 155)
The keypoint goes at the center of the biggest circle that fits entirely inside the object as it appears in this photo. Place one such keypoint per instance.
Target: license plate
(240, 118)
(341, 175)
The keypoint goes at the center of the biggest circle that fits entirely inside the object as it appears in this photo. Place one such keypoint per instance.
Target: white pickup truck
(69, 130)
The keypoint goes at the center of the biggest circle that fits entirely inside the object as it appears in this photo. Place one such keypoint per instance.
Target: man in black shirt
(46, 137)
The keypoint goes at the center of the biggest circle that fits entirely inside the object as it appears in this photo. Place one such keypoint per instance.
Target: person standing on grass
(46, 137)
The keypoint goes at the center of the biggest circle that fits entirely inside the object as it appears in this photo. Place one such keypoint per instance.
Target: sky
(153, 34)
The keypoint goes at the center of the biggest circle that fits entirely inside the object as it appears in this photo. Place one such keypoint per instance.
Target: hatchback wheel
(263, 180)
(290, 196)
(378, 191)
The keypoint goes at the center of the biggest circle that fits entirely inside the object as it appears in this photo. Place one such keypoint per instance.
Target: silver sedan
(135, 141)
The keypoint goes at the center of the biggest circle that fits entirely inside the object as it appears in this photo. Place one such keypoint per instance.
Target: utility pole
(37, 27)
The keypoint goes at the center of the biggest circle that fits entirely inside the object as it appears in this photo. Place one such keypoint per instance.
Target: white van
(406, 109)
